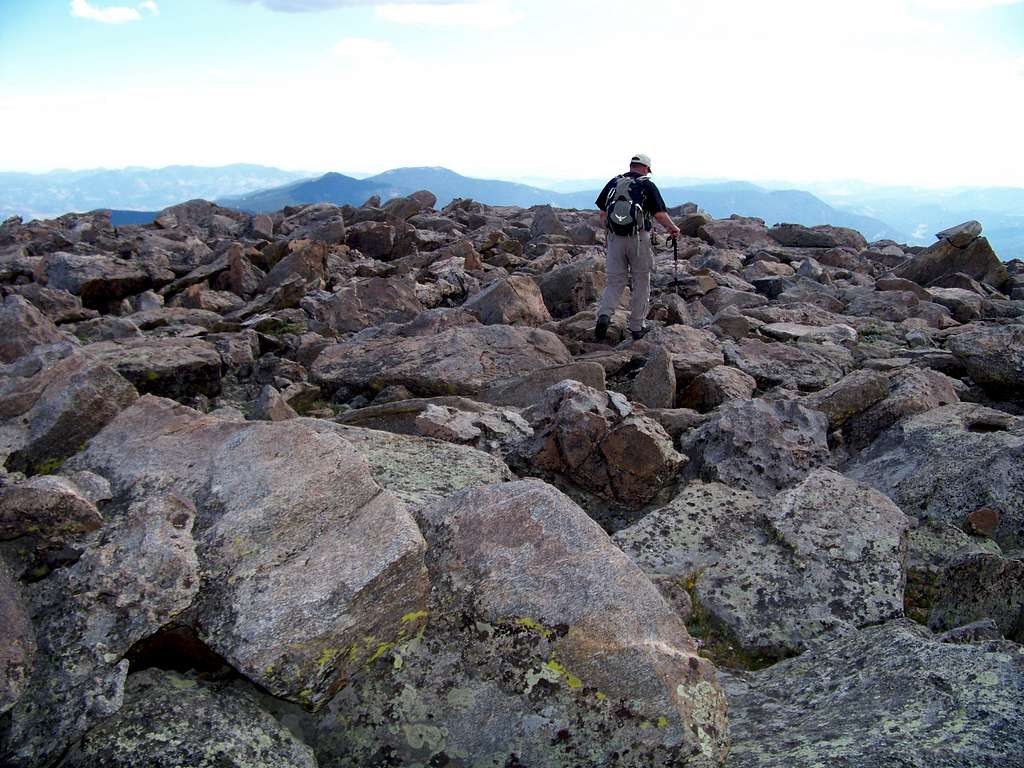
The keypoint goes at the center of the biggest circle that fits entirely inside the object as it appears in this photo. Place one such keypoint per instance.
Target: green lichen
(415, 616)
(533, 625)
(717, 642)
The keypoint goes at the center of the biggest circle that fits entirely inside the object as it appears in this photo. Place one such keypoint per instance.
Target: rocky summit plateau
(355, 486)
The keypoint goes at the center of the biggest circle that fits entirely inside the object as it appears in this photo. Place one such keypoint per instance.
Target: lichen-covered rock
(22, 328)
(804, 367)
(759, 445)
(693, 351)
(169, 719)
(981, 586)
(993, 356)
(544, 646)
(452, 419)
(303, 553)
(947, 462)
(17, 641)
(597, 441)
(453, 360)
(131, 580)
(886, 695)
(169, 367)
(826, 554)
(52, 402)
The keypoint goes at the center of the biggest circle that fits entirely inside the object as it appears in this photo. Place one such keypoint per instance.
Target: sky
(906, 92)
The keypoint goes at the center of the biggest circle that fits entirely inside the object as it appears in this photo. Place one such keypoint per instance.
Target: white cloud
(306, 6)
(117, 14)
(150, 6)
(479, 15)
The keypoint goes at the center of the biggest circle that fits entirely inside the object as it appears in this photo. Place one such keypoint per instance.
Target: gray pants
(628, 256)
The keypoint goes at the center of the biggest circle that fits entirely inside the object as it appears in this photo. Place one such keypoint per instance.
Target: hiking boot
(637, 335)
(601, 329)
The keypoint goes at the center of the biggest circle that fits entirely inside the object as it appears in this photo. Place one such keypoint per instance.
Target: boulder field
(341, 487)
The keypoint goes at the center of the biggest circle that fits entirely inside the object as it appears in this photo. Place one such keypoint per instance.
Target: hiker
(628, 203)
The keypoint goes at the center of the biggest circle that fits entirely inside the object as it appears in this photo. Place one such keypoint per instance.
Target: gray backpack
(624, 206)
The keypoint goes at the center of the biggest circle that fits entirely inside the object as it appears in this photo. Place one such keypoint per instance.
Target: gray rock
(976, 259)
(975, 632)
(776, 574)
(851, 395)
(106, 328)
(911, 390)
(526, 390)
(807, 367)
(961, 235)
(723, 297)
(97, 279)
(717, 386)
(759, 445)
(320, 221)
(419, 470)
(947, 462)
(23, 327)
(48, 414)
(17, 641)
(981, 586)
(128, 583)
(452, 419)
(736, 233)
(306, 259)
(993, 356)
(456, 360)
(886, 695)
(693, 351)
(363, 303)
(270, 406)
(543, 642)
(597, 441)
(58, 305)
(514, 300)
(546, 222)
(655, 384)
(572, 288)
(966, 306)
(303, 554)
(171, 719)
(170, 367)
(823, 236)
(47, 506)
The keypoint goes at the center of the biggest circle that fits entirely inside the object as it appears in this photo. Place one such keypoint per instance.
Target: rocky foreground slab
(357, 487)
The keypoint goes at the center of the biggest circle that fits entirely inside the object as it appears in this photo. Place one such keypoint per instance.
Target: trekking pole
(675, 264)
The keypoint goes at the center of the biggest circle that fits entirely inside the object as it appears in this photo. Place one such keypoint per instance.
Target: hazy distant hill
(339, 189)
(47, 195)
(720, 199)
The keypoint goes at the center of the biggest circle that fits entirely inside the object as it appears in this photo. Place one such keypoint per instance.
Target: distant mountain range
(905, 214)
(719, 199)
(47, 195)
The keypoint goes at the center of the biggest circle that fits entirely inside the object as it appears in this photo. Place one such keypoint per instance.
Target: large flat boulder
(361, 304)
(303, 553)
(804, 367)
(771, 576)
(993, 356)
(513, 300)
(458, 360)
(886, 695)
(544, 646)
(947, 463)
(98, 279)
(976, 259)
(169, 367)
(759, 445)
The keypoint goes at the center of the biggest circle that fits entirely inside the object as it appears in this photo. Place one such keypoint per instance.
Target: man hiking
(628, 203)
